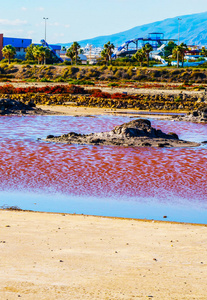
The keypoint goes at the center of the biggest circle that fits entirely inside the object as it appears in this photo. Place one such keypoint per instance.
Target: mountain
(192, 31)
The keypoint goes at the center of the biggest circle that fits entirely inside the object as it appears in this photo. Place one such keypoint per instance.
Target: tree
(71, 54)
(41, 53)
(104, 55)
(108, 51)
(139, 56)
(179, 53)
(75, 47)
(204, 51)
(147, 49)
(169, 48)
(8, 52)
(30, 52)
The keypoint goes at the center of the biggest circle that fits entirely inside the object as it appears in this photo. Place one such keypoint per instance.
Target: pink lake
(104, 180)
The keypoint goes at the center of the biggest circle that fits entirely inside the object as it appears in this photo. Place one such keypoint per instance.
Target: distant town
(161, 52)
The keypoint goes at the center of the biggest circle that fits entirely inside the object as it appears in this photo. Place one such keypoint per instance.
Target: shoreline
(61, 256)
(105, 217)
(93, 111)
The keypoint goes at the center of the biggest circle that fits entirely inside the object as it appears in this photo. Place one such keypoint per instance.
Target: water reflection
(137, 208)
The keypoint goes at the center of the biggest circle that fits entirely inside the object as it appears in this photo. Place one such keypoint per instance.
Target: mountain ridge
(192, 31)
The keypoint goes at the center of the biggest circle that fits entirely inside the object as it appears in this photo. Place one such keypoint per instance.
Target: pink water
(124, 175)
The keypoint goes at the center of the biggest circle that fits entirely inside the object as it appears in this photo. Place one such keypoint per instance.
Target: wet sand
(60, 256)
(93, 111)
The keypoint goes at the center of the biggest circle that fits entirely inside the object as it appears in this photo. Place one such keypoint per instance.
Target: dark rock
(50, 136)
(146, 144)
(14, 107)
(137, 133)
(96, 141)
(195, 114)
(198, 116)
(161, 145)
(174, 135)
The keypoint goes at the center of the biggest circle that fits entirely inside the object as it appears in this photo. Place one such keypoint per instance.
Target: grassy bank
(111, 73)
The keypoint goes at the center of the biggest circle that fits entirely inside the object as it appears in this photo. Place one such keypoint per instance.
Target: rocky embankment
(14, 107)
(197, 116)
(137, 133)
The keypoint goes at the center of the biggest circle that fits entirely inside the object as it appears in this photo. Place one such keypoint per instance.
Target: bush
(59, 79)
(113, 84)
(14, 60)
(29, 62)
(44, 80)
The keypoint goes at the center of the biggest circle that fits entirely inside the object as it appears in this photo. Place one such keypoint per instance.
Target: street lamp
(178, 41)
(45, 26)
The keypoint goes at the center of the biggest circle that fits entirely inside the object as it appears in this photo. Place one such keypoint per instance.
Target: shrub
(44, 80)
(113, 84)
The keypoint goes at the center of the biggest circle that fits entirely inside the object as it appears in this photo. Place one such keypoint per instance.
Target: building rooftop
(17, 42)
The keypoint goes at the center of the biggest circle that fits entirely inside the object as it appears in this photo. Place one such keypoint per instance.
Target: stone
(137, 133)
(197, 116)
(50, 136)
(14, 107)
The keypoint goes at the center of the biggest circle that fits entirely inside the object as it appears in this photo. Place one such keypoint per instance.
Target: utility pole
(178, 41)
(45, 27)
(90, 50)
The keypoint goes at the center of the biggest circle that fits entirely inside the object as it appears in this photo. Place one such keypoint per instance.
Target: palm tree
(36, 53)
(75, 47)
(108, 51)
(139, 56)
(110, 48)
(8, 52)
(176, 55)
(30, 52)
(147, 49)
(41, 53)
(104, 55)
(71, 54)
(179, 53)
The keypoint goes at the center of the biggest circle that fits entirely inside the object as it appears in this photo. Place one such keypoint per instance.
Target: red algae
(102, 171)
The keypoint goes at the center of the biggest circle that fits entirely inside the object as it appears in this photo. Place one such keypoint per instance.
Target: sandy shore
(92, 111)
(58, 256)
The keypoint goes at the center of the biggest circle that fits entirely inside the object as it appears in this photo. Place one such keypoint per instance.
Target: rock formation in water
(14, 107)
(197, 116)
(137, 133)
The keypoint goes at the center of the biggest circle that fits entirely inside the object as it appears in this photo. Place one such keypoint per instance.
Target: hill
(192, 31)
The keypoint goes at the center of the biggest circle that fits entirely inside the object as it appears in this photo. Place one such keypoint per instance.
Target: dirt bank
(58, 256)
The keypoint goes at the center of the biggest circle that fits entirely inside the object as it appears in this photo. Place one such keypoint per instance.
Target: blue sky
(71, 20)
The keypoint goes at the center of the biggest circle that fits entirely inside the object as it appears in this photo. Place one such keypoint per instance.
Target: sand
(93, 111)
(59, 256)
